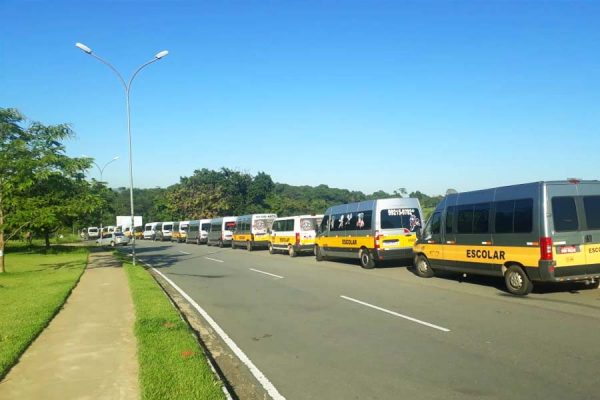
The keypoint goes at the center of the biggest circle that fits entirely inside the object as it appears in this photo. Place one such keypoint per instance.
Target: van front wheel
(366, 259)
(517, 281)
(422, 267)
(292, 252)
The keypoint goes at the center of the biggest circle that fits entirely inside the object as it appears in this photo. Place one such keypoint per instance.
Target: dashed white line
(213, 259)
(264, 381)
(418, 321)
(184, 252)
(266, 273)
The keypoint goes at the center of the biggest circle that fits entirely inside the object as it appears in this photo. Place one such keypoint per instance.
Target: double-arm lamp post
(127, 87)
(101, 170)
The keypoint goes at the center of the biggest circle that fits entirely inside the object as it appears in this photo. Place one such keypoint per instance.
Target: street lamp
(101, 169)
(127, 87)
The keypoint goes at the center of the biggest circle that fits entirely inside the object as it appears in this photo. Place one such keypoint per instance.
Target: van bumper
(548, 272)
(393, 254)
(304, 248)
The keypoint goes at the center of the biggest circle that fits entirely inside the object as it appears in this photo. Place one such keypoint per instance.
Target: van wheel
(422, 267)
(517, 281)
(292, 252)
(112, 244)
(220, 243)
(232, 244)
(271, 249)
(198, 241)
(592, 285)
(366, 259)
(249, 246)
(318, 254)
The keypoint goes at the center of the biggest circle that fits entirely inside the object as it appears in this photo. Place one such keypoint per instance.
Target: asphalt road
(313, 331)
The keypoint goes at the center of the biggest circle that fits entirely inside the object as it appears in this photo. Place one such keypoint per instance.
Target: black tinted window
(481, 218)
(351, 221)
(324, 223)
(436, 222)
(450, 211)
(592, 211)
(505, 211)
(464, 223)
(523, 216)
(398, 218)
(564, 214)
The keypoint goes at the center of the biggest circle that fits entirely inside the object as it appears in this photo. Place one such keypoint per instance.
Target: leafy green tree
(34, 174)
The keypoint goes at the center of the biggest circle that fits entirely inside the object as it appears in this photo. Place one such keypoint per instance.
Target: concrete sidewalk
(89, 349)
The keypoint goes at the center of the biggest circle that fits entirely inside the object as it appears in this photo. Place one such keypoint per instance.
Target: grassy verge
(172, 364)
(32, 291)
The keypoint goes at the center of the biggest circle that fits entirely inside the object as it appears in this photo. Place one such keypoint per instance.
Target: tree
(40, 187)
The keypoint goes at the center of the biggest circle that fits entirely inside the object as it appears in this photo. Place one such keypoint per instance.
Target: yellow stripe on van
(525, 255)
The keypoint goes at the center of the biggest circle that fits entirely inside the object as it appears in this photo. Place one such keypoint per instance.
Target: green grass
(32, 291)
(172, 363)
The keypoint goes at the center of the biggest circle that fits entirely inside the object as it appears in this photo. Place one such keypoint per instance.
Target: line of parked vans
(536, 232)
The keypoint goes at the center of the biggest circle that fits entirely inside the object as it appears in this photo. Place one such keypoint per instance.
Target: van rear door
(575, 211)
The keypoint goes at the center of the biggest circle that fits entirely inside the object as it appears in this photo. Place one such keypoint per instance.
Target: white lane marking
(264, 381)
(186, 253)
(418, 321)
(213, 259)
(266, 273)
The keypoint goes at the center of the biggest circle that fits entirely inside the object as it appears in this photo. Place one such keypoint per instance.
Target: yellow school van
(295, 234)
(252, 231)
(534, 232)
(372, 230)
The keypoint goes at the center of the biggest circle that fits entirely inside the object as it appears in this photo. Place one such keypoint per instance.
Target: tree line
(42, 190)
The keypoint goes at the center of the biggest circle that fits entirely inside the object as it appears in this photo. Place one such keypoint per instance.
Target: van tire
(198, 241)
(318, 255)
(112, 244)
(271, 249)
(249, 246)
(292, 252)
(366, 259)
(517, 281)
(220, 243)
(423, 267)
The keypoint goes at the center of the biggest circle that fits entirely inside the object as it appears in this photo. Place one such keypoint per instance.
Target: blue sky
(363, 95)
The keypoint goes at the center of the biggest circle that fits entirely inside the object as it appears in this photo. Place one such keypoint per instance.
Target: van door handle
(588, 238)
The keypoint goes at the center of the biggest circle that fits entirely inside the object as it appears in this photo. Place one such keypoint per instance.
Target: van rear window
(564, 214)
(399, 218)
(308, 224)
(591, 204)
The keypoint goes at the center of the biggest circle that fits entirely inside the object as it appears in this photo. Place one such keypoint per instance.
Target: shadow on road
(498, 283)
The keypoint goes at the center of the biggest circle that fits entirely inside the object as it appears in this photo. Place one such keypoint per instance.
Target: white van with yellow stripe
(535, 232)
(295, 234)
(252, 231)
(372, 230)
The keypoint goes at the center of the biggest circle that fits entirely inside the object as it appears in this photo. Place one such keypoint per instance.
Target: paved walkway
(89, 349)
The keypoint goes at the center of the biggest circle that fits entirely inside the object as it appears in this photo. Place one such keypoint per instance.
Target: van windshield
(206, 227)
(401, 218)
(167, 227)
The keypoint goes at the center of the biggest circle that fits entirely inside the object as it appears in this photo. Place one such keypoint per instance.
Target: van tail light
(546, 248)
(377, 237)
(297, 238)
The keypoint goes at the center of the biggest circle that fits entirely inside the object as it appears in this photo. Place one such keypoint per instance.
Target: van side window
(523, 216)
(514, 216)
(481, 218)
(351, 221)
(591, 204)
(324, 223)
(465, 219)
(564, 214)
(436, 223)
(450, 211)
